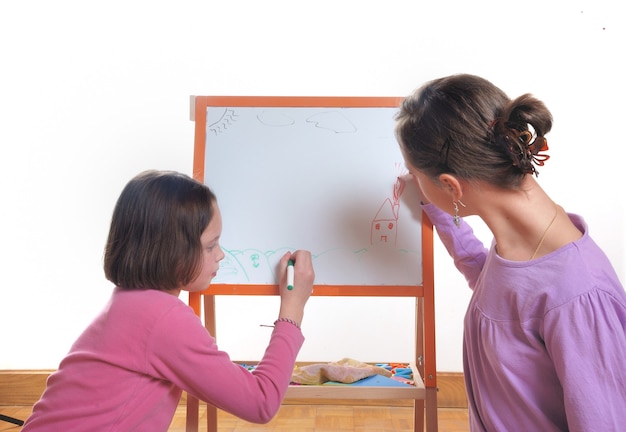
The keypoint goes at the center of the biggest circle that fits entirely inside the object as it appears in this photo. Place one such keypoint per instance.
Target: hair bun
(521, 144)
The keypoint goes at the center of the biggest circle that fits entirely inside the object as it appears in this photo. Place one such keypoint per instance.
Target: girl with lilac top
(545, 330)
(127, 371)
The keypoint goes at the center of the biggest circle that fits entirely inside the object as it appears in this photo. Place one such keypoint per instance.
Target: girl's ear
(451, 184)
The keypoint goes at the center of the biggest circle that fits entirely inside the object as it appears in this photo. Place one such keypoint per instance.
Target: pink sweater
(126, 372)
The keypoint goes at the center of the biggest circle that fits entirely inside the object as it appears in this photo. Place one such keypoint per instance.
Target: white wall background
(92, 92)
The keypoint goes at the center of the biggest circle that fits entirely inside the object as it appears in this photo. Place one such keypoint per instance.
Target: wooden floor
(305, 418)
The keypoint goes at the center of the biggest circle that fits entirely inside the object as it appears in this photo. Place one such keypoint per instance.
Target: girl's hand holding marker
(295, 267)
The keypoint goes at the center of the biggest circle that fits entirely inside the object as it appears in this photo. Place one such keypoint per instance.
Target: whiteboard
(322, 178)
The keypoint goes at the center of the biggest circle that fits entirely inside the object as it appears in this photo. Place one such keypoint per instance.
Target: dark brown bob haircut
(154, 240)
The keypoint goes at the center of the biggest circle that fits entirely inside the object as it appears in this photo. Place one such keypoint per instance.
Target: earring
(456, 218)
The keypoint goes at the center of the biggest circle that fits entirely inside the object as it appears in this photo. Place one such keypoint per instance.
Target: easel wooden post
(424, 393)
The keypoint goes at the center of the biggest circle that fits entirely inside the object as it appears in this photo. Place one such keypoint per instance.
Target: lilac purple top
(126, 372)
(544, 340)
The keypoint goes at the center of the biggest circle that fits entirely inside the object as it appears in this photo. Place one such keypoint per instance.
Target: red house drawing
(385, 223)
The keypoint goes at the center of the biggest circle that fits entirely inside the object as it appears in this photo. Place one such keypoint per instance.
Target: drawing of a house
(385, 223)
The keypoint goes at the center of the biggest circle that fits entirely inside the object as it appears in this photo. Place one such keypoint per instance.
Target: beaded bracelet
(290, 321)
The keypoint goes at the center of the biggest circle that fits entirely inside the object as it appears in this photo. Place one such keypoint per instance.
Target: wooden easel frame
(424, 394)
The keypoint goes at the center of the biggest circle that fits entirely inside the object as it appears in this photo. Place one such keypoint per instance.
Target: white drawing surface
(322, 179)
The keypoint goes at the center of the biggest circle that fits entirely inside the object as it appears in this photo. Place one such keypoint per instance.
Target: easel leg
(431, 410)
(418, 415)
(211, 418)
(192, 414)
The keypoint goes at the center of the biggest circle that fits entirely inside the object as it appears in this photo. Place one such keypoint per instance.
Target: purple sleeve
(586, 340)
(464, 247)
(187, 355)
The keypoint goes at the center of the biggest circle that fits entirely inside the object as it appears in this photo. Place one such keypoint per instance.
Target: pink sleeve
(187, 355)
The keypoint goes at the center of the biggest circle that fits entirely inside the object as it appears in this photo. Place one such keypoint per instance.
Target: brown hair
(466, 126)
(154, 239)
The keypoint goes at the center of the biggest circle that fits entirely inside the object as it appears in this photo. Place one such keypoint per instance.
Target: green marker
(290, 264)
